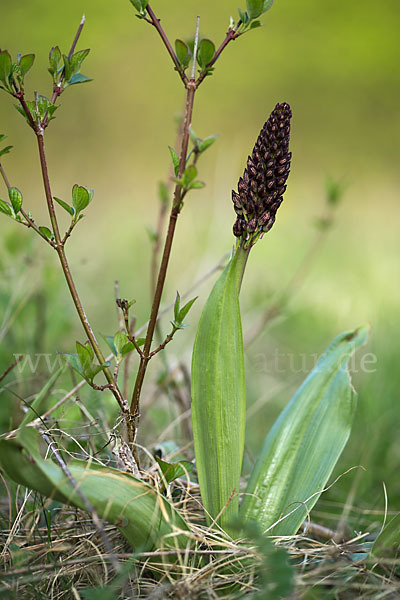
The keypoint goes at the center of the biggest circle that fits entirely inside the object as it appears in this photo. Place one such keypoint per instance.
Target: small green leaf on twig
(205, 53)
(267, 5)
(46, 232)
(203, 145)
(5, 208)
(180, 313)
(26, 63)
(183, 53)
(80, 198)
(15, 197)
(334, 191)
(78, 78)
(65, 206)
(5, 68)
(140, 6)
(54, 62)
(254, 8)
(175, 160)
(163, 193)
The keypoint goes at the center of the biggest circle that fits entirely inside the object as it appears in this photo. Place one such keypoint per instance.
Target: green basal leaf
(46, 232)
(205, 53)
(182, 53)
(255, 24)
(65, 206)
(219, 397)
(15, 197)
(5, 68)
(254, 8)
(80, 198)
(175, 160)
(304, 444)
(5, 208)
(144, 517)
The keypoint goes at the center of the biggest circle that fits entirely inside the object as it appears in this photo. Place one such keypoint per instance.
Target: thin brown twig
(156, 22)
(176, 208)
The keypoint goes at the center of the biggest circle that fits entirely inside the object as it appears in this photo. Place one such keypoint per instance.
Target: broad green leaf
(5, 67)
(144, 517)
(5, 208)
(65, 206)
(389, 538)
(219, 397)
(175, 160)
(26, 63)
(205, 53)
(254, 8)
(80, 198)
(304, 444)
(182, 53)
(15, 197)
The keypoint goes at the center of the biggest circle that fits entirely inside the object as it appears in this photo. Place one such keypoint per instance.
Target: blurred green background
(336, 63)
